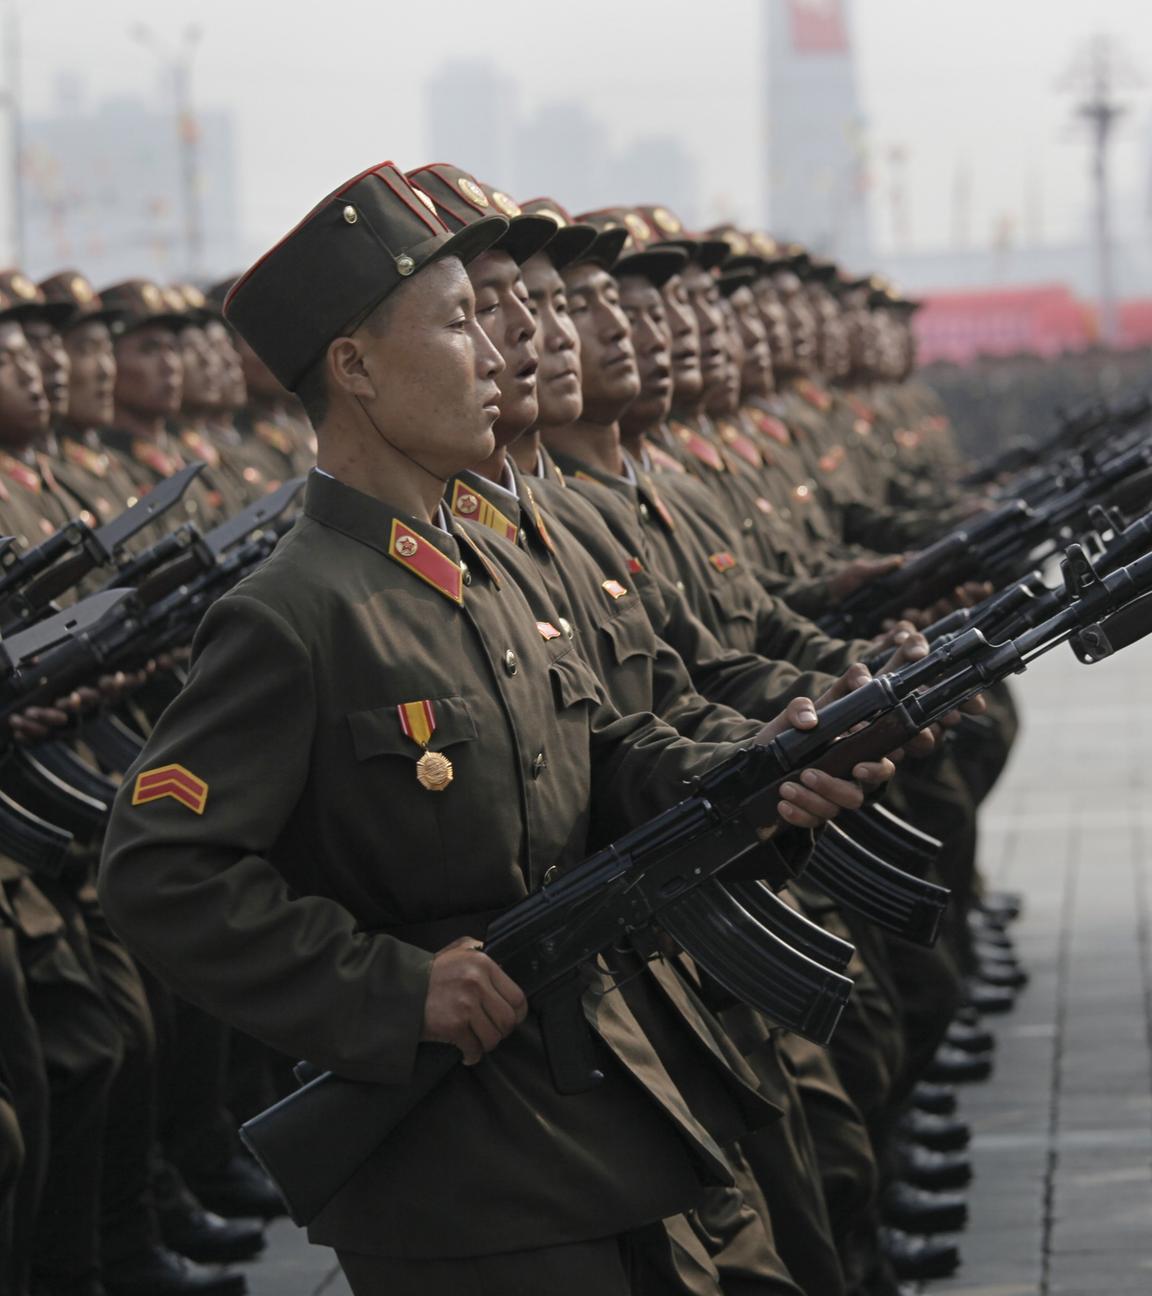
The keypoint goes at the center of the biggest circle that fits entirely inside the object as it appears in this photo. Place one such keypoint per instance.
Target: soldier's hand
(470, 1002)
(35, 724)
(816, 798)
(860, 572)
(906, 643)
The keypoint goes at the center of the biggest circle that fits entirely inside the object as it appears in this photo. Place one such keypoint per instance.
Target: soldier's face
(149, 376)
(704, 298)
(48, 347)
(643, 306)
(234, 392)
(502, 308)
(801, 322)
(432, 372)
(833, 356)
(756, 371)
(24, 409)
(687, 380)
(559, 385)
(724, 394)
(259, 380)
(610, 378)
(775, 323)
(93, 375)
(203, 388)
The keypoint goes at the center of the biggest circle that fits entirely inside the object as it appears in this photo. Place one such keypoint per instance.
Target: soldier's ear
(347, 371)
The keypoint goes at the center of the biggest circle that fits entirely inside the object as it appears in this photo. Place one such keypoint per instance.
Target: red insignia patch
(614, 588)
(634, 566)
(547, 630)
(171, 781)
(722, 561)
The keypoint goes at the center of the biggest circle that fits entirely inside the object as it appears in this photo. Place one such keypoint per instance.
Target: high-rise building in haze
(563, 152)
(103, 190)
(472, 117)
(817, 163)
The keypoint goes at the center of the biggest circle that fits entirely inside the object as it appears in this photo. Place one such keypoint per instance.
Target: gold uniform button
(644, 512)
(748, 524)
(465, 574)
(539, 765)
(680, 586)
(510, 663)
(521, 537)
(351, 215)
(566, 626)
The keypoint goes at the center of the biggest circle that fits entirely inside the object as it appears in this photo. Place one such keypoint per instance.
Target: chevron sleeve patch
(171, 781)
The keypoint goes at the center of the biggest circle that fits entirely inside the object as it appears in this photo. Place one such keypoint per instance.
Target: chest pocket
(630, 632)
(377, 731)
(573, 681)
(731, 602)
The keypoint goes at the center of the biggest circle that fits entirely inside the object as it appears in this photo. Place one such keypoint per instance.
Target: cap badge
(638, 228)
(736, 241)
(21, 286)
(667, 223)
(503, 203)
(151, 296)
(351, 215)
(404, 264)
(81, 290)
(552, 215)
(472, 191)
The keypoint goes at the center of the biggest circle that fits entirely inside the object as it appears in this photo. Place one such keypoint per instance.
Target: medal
(434, 771)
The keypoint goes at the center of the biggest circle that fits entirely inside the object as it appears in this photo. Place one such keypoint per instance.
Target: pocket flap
(630, 632)
(573, 681)
(731, 603)
(378, 731)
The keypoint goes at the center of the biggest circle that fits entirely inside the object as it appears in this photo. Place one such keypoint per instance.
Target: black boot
(919, 1258)
(239, 1190)
(932, 1170)
(971, 1039)
(160, 1272)
(954, 1066)
(914, 1210)
(939, 1099)
(938, 1133)
(205, 1237)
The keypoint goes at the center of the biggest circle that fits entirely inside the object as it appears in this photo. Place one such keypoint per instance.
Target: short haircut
(312, 389)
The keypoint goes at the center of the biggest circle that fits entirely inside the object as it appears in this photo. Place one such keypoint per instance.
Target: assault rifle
(669, 873)
(29, 581)
(992, 547)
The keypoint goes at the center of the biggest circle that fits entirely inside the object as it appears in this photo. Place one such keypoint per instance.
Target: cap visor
(526, 236)
(605, 249)
(657, 265)
(729, 281)
(570, 243)
(469, 242)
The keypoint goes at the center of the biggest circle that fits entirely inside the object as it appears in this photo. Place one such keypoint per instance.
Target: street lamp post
(178, 64)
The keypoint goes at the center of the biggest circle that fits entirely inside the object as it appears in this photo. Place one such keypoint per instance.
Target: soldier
(396, 372)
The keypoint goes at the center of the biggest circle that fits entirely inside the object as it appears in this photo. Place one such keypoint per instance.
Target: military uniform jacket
(274, 857)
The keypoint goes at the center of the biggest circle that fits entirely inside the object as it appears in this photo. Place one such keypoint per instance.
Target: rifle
(992, 547)
(29, 581)
(665, 874)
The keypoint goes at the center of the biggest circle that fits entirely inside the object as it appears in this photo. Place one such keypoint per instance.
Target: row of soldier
(743, 421)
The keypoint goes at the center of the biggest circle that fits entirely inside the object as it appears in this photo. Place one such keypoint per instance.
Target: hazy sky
(319, 90)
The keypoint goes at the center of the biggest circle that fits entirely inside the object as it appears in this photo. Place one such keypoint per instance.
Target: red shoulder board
(423, 559)
(468, 504)
(662, 461)
(699, 447)
(739, 444)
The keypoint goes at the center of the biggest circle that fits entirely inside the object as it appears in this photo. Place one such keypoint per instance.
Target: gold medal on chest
(434, 771)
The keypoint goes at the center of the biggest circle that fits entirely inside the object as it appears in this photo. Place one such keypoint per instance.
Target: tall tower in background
(817, 174)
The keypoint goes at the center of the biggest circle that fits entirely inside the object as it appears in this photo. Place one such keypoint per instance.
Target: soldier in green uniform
(332, 781)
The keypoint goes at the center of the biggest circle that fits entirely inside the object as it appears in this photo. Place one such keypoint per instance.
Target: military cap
(140, 302)
(78, 302)
(194, 301)
(708, 253)
(460, 199)
(27, 302)
(571, 240)
(771, 253)
(326, 276)
(217, 292)
(638, 256)
(599, 247)
(739, 277)
(795, 257)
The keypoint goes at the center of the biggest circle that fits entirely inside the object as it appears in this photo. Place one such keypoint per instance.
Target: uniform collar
(443, 559)
(640, 492)
(477, 499)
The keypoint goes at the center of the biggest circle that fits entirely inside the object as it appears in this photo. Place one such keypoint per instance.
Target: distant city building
(103, 190)
(473, 120)
(817, 175)
(559, 149)
(563, 152)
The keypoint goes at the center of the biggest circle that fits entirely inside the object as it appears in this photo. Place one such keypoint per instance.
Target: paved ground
(1062, 1205)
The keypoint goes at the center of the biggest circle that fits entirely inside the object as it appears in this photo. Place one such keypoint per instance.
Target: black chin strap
(393, 446)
